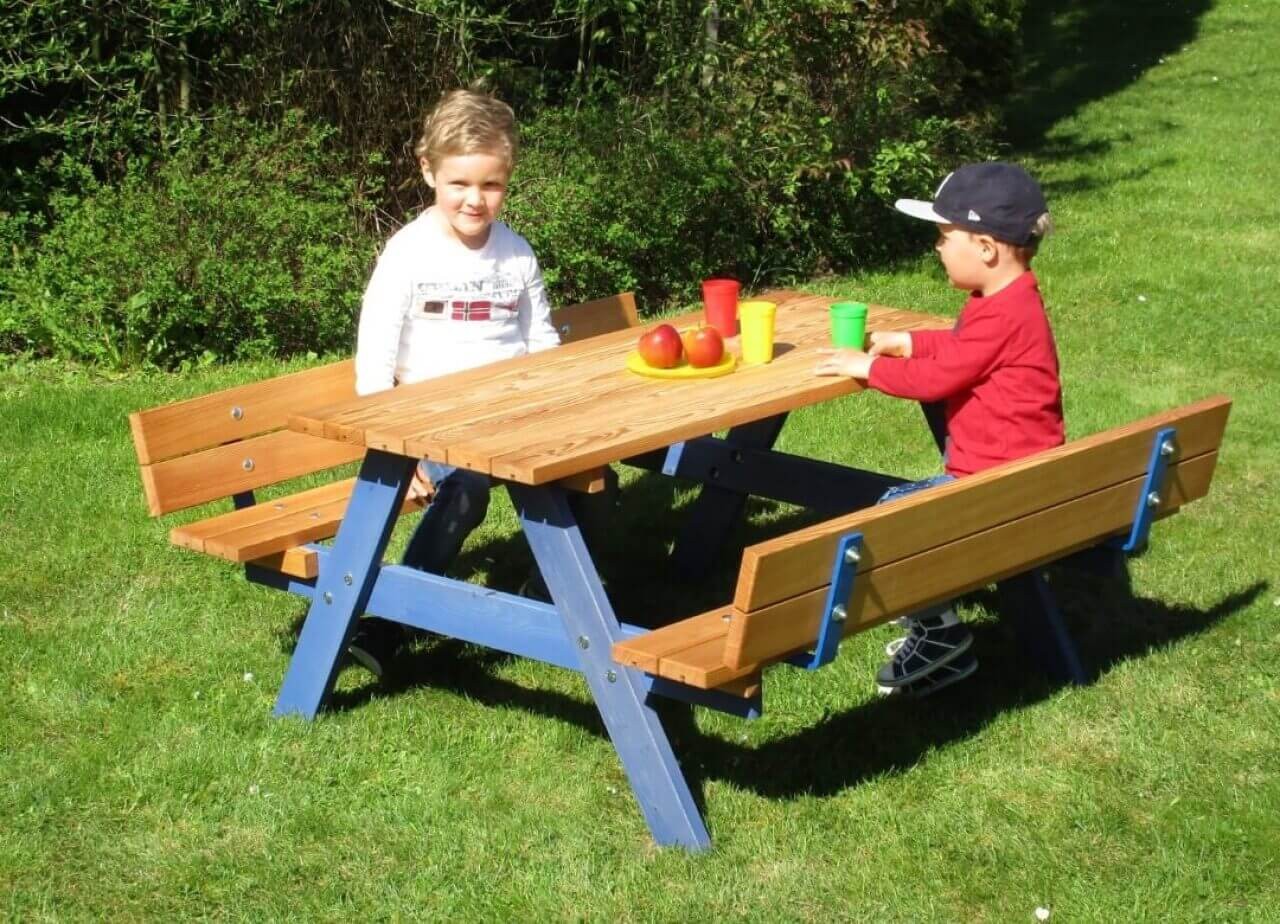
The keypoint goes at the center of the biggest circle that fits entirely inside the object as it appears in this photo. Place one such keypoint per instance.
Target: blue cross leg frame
(834, 611)
(1163, 450)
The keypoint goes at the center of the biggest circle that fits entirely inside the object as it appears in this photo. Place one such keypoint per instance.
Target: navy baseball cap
(991, 198)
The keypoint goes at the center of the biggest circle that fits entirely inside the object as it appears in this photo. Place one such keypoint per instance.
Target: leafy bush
(239, 246)
(809, 120)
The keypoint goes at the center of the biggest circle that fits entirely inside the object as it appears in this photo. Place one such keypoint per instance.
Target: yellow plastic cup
(755, 319)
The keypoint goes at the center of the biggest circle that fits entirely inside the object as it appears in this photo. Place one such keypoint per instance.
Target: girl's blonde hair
(466, 122)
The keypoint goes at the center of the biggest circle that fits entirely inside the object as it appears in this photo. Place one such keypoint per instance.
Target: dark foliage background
(188, 179)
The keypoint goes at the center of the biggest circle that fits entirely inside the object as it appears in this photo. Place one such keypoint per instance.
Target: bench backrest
(218, 445)
(930, 546)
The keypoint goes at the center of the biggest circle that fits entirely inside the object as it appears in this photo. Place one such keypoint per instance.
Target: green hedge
(235, 248)
(662, 143)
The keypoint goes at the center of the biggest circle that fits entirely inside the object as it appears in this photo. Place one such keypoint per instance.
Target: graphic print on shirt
(495, 297)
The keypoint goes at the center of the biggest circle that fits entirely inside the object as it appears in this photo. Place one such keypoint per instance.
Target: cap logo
(974, 216)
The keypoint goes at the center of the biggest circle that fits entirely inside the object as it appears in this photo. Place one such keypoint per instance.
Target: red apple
(660, 347)
(703, 346)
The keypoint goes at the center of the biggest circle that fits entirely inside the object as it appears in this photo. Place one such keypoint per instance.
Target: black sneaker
(375, 643)
(929, 646)
(953, 671)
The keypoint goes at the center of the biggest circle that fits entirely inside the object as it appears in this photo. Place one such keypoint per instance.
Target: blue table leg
(1042, 630)
(716, 511)
(619, 692)
(344, 584)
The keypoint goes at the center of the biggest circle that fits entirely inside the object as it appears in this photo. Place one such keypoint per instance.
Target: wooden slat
(472, 391)
(525, 420)
(509, 390)
(660, 412)
(943, 572)
(187, 426)
(242, 466)
(194, 535)
(272, 527)
(647, 651)
(746, 687)
(800, 561)
(297, 562)
(590, 482)
(769, 635)
(590, 319)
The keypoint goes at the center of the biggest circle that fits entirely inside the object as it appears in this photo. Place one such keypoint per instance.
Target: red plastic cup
(720, 302)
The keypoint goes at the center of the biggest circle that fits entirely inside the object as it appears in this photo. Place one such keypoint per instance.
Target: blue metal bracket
(843, 572)
(1163, 451)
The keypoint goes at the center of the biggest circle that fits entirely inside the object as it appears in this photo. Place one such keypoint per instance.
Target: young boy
(453, 289)
(996, 371)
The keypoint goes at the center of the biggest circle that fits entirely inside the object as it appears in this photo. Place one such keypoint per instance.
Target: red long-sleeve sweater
(997, 371)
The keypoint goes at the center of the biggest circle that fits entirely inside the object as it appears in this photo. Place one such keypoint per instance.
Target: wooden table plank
(557, 413)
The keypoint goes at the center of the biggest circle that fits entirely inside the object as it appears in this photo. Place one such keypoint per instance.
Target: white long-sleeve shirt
(434, 306)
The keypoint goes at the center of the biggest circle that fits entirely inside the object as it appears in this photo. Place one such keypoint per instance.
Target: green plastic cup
(849, 325)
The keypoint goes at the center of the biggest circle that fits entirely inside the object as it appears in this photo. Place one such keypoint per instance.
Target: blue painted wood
(1163, 448)
(743, 707)
(1029, 601)
(243, 499)
(619, 692)
(823, 486)
(844, 570)
(345, 582)
(671, 461)
(516, 625)
(717, 510)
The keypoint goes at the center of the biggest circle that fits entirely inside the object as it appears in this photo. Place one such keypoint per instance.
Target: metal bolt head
(851, 556)
(736, 456)
(346, 579)
(583, 642)
(1168, 448)
(838, 613)
(611, 676)
(1153, 499)
(237, 413)
(247, 465)
(328, 597)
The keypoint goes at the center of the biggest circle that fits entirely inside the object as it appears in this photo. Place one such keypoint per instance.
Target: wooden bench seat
(933, 545)
(233, 442)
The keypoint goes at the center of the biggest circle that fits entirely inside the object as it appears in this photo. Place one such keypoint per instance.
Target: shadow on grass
(887, 735)
(1077, 52)
(879, 736)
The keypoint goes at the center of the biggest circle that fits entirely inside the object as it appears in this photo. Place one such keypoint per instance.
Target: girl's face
(964, 257)
(470, 190)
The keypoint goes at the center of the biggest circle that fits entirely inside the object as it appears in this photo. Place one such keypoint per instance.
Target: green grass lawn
(142, 777)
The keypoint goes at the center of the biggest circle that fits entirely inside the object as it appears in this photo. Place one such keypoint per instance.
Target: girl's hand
(853, 363)
(890, 343)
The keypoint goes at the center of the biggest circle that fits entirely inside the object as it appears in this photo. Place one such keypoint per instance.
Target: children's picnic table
(533, 423)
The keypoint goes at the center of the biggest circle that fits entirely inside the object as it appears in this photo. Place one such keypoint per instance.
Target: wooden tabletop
(564, 411)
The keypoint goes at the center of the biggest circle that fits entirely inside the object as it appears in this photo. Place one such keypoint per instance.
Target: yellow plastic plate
(683, 371)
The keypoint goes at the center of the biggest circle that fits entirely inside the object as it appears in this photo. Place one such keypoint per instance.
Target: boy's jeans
(911, 487)
(459, 506)
(902, 490)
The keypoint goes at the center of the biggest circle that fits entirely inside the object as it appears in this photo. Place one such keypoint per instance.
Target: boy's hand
(421, 490)
(890, 343)
(853, 363)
